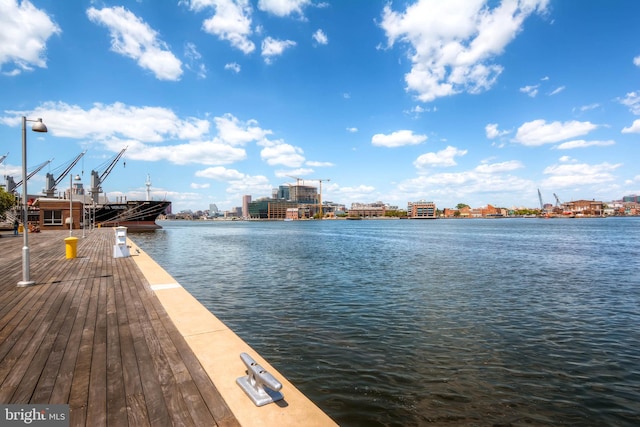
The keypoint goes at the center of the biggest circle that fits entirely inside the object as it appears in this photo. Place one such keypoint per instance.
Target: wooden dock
(93, 335)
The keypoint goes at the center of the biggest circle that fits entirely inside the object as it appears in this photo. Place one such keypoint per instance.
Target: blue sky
(460, 101)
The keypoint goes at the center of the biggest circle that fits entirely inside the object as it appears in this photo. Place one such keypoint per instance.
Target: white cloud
(283, 7)
(198, 152)
(417, 110)
(320, 37)
(272, 47)
(581, 143)
(492, 131)
(133, 38)
(197, 186)
(539, 132)
(397, 139)
(443, 158)
(632, 101)
(577, 174)
(257, 184)
(194, 60)
(452, 43)
(557, 90)
(360, 192)
(636, 61)
(220, 173)
(352, 129)
(532, 91)
(299, 172)
(108, 121)
(320, 164)
(239, 183)
(231, 21)
(494, 168)
(634, 128)
(233, 131)
(151, 132)
(24, 31)
(486, 180)
(279, 153)
(233, 66)
(588, 107)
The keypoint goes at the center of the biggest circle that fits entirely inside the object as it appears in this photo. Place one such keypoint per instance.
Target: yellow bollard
(20, 228)
(71, 246)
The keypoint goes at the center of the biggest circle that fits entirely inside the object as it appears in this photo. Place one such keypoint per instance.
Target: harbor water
(429, 322)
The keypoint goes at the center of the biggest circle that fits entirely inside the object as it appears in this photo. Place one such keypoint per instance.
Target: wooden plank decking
(93, 335)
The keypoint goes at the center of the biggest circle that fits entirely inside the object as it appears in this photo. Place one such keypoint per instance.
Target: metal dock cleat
(254, 383)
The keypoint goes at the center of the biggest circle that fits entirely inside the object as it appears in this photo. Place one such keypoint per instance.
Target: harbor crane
(97, 179)
(12, 185)
(558, 204)
(3, 157)
(540, 198)
(51, 183)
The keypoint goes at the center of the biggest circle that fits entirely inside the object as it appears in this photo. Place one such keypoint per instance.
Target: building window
(52, 218)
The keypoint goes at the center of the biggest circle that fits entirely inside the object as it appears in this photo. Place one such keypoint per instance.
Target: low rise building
(584, 207)
(422, 210)
(367, 210)
(268, 208)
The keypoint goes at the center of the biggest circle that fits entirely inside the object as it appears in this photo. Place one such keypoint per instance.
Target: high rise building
(246, 199)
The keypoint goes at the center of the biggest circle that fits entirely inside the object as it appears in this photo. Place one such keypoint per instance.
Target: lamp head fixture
(38, 126)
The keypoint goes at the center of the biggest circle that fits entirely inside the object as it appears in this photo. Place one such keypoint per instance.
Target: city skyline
(462, 101)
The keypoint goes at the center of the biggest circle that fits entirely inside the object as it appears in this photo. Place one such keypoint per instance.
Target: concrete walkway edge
(218, 348)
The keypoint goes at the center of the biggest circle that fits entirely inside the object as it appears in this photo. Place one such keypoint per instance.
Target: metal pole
(70, 203)
(25, 222)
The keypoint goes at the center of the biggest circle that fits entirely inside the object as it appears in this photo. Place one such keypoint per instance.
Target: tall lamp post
(38, 126)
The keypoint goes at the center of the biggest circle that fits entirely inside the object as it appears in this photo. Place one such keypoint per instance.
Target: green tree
(462, 205)
(7, 200)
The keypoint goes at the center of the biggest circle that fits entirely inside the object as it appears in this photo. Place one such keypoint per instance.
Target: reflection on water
(447, 322)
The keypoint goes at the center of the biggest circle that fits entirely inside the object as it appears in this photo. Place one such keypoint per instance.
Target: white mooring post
(120, 249)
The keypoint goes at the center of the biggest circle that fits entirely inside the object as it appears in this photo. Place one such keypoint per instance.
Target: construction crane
(51, 183)
(97, 179)
(12, 185)
(297, 179)
(320, 199)
(3, 157)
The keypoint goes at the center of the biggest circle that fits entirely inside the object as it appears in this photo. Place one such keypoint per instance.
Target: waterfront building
(53, 214)
(293, 214)
(281, 192)
(268, 208)
(367, 210)
(303, 194)
(584, 207)
(422, 210)
(246, 199)
(632, 198)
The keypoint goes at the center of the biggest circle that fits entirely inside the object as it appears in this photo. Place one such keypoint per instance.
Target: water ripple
(411, 323)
